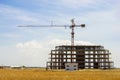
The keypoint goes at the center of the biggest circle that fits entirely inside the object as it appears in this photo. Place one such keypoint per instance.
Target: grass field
(41, 74)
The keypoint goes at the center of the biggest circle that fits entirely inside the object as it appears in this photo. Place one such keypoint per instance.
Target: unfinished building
(80, 57)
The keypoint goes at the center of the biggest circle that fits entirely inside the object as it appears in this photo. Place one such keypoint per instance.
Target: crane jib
(72, 26)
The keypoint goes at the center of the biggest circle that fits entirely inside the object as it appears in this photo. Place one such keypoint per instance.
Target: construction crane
(72, 26)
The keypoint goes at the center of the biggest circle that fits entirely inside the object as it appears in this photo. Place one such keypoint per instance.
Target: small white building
(71, 66)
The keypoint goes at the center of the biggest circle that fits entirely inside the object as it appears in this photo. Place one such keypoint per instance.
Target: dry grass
(41, 74)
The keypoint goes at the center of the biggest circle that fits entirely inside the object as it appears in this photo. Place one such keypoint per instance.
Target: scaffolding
(91, 57)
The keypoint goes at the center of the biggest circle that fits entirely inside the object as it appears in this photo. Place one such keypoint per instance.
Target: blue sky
(31, 46)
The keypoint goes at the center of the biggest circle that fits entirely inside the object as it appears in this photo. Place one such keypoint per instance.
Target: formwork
(95, 57)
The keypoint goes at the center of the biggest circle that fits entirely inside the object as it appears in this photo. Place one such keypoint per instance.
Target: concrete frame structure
(93, 56)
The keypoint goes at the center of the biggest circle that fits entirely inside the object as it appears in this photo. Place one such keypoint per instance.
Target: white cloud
(30, 44)
(32, 53)
(12, 55)
(59, 42)
(34, 47)
(68, 42)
